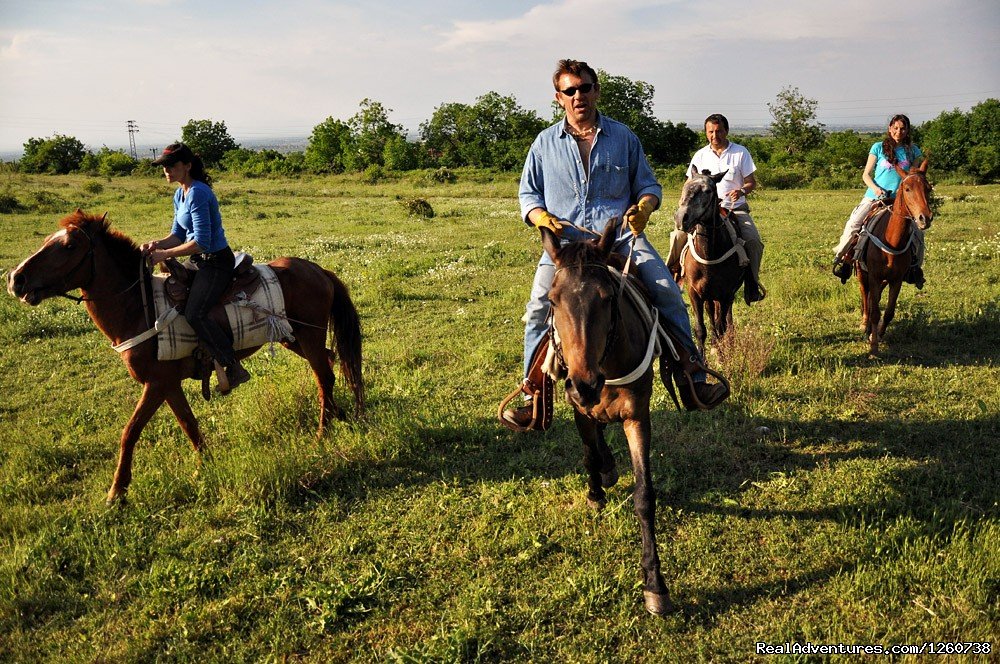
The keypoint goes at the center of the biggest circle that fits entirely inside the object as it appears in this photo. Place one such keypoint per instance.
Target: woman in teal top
(896, 149)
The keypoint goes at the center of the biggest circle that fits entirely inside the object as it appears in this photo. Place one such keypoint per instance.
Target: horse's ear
(717, 178)
(900, 172)
(607, 241)
(104, 217)
(694, 170)
(550, 242)
(923, 165)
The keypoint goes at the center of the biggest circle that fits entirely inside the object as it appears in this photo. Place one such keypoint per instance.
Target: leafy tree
(400, 154)
(631, 102)
(795, 126)
(210, 140)
(58, 154)
(495, 132)
(329, 142)
(115, 162)
(442, 133)
(370, 130)
(967, 142)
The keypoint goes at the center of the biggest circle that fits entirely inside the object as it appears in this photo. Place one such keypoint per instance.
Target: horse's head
(914, 193)
(64, 262)
(699, 201)
(583, 297)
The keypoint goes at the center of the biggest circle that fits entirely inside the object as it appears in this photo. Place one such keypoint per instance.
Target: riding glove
(548, 220)
(637, 216)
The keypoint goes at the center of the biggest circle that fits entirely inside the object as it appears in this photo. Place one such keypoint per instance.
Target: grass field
(836, 498)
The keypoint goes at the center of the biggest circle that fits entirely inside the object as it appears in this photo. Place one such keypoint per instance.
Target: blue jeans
(650, 269)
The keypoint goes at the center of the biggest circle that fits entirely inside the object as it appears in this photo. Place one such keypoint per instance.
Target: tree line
(495, 132)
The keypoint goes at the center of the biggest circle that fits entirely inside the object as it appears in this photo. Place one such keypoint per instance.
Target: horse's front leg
(699, 319)
(597, 460)
(874, 315)
(863, 287)
(178, 403)
(654, 590)
(890, 308)
(151, 399)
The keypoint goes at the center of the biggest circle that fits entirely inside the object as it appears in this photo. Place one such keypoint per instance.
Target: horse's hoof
(597, 505)
(610, 478)
(116, 499)
(658, 605)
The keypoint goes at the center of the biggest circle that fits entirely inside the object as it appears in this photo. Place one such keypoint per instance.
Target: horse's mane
(122, 248)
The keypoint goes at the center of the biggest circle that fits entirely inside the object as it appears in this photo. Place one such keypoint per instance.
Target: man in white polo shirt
(722, 155)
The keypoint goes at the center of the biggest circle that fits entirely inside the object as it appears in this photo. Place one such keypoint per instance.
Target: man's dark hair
(719, 119)
(576, 68)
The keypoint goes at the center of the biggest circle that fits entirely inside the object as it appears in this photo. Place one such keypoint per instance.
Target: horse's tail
(347, 336)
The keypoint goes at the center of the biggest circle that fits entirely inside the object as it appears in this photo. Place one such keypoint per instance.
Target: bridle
(615, 318)
(143, 271)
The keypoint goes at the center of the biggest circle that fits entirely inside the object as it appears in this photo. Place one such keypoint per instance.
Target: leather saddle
(246, 279)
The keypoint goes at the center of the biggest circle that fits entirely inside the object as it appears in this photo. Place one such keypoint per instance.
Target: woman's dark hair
(889, 145)
(179, 152)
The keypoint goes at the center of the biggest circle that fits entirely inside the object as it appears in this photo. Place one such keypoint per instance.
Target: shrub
(373, 174)
(418, 207)
(443, 175)
(9, 203)
(93, 187)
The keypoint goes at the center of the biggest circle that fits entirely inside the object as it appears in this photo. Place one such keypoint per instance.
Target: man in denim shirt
(579, 173)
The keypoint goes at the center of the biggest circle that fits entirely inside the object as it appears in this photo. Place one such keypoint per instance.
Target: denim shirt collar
(564, 131)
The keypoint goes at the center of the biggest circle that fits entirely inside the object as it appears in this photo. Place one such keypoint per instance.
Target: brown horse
(888, 254)
(712, 270)
(599, 336)
(105, 265)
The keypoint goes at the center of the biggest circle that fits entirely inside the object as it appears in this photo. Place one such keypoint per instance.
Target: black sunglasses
(584, 88)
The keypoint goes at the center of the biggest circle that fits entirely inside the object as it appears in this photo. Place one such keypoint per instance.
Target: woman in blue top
(197, 232)
(896, 149)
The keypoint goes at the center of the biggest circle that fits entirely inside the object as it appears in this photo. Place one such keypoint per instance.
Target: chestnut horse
(888, 253)
(599, 335)
(105, 265)
(712, 270)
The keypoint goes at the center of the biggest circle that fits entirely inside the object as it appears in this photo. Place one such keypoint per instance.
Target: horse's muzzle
(923, 221)
(585, 394)
(17, 285)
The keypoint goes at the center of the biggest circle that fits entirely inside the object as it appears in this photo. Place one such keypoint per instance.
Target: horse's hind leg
(312, 346)
(655, 594)
(151, 399)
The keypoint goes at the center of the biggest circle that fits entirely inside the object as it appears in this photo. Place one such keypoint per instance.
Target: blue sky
(279, 67)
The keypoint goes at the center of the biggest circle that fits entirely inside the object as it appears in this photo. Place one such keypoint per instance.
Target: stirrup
(539, 387)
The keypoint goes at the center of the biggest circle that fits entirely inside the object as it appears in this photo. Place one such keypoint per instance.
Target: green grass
(834, 498)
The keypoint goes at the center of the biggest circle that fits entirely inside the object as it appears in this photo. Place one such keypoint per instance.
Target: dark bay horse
(711, 264)
(105, 265)
(603, 336)
(888, 254)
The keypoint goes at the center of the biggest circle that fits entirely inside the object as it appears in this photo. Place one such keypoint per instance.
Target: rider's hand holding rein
(637, 216)
(545, 219)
